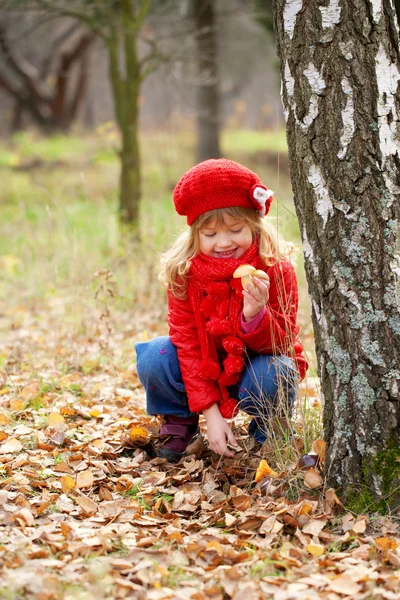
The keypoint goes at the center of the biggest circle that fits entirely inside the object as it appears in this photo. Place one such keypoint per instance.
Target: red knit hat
(219, 183)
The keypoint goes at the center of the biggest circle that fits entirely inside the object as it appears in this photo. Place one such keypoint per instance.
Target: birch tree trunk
(339, 62)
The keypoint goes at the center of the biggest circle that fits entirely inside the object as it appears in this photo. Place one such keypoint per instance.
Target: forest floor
(86, 511)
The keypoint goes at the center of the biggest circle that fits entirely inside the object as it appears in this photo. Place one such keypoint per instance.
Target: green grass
(59, 221)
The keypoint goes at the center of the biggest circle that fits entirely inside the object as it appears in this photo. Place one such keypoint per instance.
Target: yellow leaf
(67, 484)
(55, 419)
(264, 470)
(31, 391)
(384, 544)
(95, 413)
(138, 432)
(84, 479)
(71, 379)
(315, 549)
(4, 420)
(4, 391)
(17, 405)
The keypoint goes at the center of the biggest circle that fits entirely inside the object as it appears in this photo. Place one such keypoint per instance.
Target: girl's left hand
(255, 298)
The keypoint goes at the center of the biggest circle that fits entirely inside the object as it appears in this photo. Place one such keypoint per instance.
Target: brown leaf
(242, 501)
(315, 526)
(11, 446)
(313, 479)
(84, 479)
(89, 506)
(343, 584)
(319, 447)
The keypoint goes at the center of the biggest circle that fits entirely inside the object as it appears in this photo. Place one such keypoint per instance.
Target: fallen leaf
(89, 506)
(55, 419)
(315, 526)
(319, 447)
(343, 584)
(84, 479)
(67, 484)
(11, 446)
(315, 549)
(313, 479)
(384, 544)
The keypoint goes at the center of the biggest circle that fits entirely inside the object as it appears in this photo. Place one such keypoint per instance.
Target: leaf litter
(87, 508)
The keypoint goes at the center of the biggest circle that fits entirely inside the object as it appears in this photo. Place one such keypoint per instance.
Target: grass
(59, 223)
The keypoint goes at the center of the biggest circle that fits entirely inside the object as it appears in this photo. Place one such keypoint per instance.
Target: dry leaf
(315, 549)
(17, 405)
(384, 544)
(313, 479)
(55, 419)
(67, 484)
(11, 446)
(84, 479)
(360, 526)
(315, 526)
(89, 506)
(344, 585)
(319, 447)
(264, 470)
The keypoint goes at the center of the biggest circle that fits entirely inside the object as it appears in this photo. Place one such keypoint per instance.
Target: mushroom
(247, 272)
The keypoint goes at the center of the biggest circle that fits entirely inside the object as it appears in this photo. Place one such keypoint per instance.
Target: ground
(86, 510)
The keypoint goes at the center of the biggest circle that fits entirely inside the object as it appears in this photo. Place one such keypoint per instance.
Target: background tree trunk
(207, 81)
(126, 79)
(340, 73)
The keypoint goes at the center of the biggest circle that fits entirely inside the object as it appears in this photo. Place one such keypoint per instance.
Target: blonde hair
(175, 262)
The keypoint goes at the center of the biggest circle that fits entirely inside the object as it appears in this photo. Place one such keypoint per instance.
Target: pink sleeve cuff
(250, 326)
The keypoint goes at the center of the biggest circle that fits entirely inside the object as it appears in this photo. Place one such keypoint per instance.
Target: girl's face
(229, 239)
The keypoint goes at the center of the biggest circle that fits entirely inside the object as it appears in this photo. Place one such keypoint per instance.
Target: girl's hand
(255, 298)
(219, 432)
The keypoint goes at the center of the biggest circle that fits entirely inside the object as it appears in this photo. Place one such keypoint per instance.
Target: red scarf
(217, 302)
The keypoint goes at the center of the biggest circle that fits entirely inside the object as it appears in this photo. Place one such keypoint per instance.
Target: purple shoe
(180, 432)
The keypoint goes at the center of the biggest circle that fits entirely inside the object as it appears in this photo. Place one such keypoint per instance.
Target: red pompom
(207, 307)
(227, 380)
(217, 289)
(218, 327)
(209, 369)
(233, 364)
(222, 308)
(228, 408)
(233, 345)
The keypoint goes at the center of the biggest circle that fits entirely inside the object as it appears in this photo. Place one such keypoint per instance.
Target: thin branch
(75, 14)
(44, 71)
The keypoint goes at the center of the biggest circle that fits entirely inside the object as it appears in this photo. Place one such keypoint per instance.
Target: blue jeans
(266, 379)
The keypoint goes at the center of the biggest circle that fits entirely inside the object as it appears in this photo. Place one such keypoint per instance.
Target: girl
(228, 347)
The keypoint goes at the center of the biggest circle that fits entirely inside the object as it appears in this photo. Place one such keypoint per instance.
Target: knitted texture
(217, 307)
(219, 183)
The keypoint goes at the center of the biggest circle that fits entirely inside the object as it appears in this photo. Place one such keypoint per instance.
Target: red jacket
(276, 334)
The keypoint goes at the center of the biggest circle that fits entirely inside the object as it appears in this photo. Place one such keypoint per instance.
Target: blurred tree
(117, 23)
(207, 81)
(45, 93)
(340, 74)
